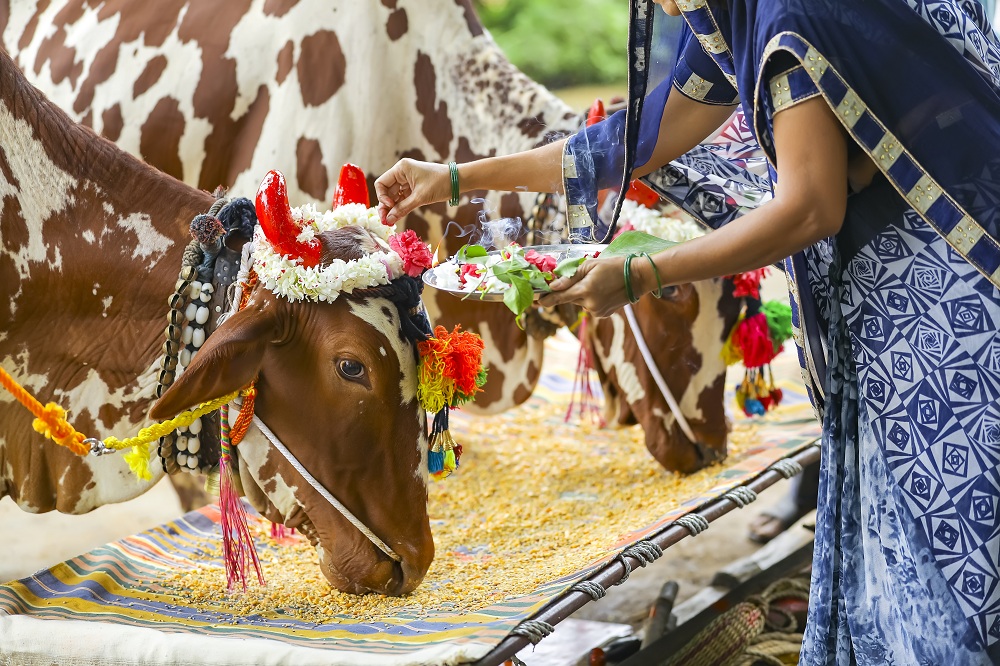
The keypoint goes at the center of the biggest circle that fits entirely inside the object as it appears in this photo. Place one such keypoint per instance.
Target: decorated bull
(92, 242)
(217, 93)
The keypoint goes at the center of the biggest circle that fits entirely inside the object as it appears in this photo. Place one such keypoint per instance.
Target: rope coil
(693, 522)
(741, 496)
(533, 630)
(595, 590)
(787, 468)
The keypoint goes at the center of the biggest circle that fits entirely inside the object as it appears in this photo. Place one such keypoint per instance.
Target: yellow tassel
(138, 461)
(731, 354)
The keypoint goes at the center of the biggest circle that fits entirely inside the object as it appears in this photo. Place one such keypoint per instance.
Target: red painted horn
(596, 113)
(275, 218)
(351, 187)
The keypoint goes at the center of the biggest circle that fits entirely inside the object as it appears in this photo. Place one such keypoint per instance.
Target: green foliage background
(561, 43)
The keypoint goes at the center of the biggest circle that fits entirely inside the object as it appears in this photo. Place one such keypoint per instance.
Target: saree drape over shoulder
(896, 318)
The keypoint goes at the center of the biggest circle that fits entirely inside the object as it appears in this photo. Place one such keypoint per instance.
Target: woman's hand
(598, 285)
(410, 184)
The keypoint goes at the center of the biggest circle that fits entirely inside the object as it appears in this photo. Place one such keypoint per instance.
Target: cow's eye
(669, 292)
(350, 369)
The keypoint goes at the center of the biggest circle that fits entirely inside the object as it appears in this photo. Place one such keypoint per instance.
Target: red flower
(414, 252)
(546, 263)
(470, 272)
(748, 284)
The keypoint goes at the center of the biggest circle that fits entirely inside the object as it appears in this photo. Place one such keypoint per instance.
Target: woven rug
(537, 505)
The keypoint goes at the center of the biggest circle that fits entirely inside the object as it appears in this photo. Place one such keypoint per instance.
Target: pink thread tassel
(238, 549)
(583, 396)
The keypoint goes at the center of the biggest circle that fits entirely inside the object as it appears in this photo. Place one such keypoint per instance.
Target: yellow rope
(50, 420)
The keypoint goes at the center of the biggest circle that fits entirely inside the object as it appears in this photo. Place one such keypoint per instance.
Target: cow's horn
(351, 187)
(276, 220)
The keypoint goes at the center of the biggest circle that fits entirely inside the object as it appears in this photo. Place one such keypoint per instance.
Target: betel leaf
(469, 253)
(567, 267)
(636, 242)
(519, 297)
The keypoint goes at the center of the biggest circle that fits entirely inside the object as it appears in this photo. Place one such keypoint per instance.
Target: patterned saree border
(913, 182)
(705, 28)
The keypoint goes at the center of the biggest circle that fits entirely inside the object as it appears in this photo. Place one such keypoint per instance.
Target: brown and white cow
(91, 242)
(218, 92)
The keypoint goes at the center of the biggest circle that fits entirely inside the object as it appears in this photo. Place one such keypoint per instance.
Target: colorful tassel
(444, 454)
(238, 549)
(583, 395)
(451, 373)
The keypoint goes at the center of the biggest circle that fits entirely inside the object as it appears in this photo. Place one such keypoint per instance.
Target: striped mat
(112, 605)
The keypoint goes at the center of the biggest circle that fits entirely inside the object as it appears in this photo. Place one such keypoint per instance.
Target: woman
(881, 124)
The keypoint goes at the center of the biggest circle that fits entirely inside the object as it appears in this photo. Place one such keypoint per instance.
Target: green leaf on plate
(567, 267)
(468, 253)
(636, 242)
(519, 297)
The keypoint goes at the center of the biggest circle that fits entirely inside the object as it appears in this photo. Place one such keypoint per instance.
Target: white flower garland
(656, 224)
(286, 277)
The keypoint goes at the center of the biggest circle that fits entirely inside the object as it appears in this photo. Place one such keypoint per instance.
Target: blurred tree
(561, 43)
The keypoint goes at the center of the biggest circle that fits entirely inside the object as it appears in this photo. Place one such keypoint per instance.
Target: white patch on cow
(106, 302)
(707, 331)
(151, 242)
(514, 370)
(614, 357)
(88, 236)
(381, 350)
(254, 451)
(96, 287)
(42, 188)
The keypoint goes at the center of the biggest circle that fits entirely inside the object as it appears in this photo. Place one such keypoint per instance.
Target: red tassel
(583, 389)
(238, 549)
(753, 337)
(748, 284)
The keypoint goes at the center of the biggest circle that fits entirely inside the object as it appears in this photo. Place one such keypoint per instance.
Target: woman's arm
(809, 204)
(411, 183)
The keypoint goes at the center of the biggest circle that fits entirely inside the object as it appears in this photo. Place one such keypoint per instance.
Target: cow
(91, 242)
(219, 92)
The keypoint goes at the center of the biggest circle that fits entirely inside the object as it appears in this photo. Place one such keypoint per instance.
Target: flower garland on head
(451, 373)
(286, 275)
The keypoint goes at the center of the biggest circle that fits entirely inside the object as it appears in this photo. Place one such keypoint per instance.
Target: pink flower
(470, 272)
(546, 263)
(414, 252)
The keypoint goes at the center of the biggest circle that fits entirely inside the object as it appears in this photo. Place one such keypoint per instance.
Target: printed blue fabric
(899, 338)
(908, 534)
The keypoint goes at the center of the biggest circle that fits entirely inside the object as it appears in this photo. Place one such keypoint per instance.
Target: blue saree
(896, 318)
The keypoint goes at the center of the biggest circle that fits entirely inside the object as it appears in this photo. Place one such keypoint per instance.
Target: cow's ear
(228, 361)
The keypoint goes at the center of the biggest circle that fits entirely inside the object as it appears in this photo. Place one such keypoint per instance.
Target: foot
(769, 524)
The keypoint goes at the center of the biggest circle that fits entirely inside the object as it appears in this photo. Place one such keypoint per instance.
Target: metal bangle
(453, 171)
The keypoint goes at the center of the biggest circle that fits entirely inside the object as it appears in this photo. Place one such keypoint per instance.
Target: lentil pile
(535, 499)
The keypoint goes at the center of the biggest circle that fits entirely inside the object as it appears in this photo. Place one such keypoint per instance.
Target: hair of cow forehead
(404, 292)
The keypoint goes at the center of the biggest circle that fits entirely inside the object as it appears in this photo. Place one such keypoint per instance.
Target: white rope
(741, 496)
(323, 491)
(595, 590)
(657, 377)
(533, 630)
(695, 523)
(787, 467)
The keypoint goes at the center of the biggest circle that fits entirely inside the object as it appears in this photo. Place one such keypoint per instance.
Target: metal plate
(564, 251)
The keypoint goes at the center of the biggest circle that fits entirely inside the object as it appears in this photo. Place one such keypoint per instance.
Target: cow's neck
(95, 239)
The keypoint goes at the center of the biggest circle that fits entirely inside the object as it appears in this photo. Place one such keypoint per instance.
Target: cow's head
(336, 384)
(684, 331)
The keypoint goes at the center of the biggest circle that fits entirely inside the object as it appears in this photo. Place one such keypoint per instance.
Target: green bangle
(453, 170)
(629, 294)
(656, 273)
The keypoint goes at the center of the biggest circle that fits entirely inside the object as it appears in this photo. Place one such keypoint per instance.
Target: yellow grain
(539, 503)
